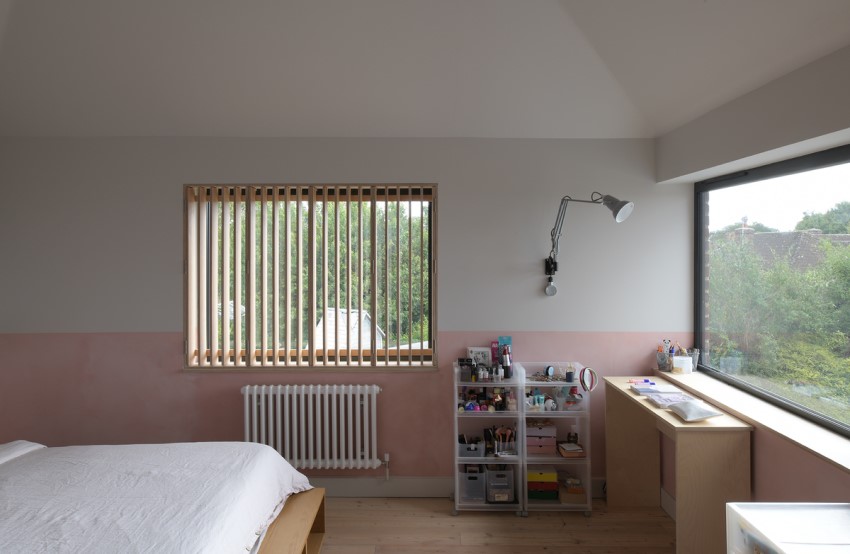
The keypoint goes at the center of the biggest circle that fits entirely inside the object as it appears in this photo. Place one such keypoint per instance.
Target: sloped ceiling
(394, 68)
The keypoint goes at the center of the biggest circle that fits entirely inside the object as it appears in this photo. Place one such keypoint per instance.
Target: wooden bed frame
(300, 526)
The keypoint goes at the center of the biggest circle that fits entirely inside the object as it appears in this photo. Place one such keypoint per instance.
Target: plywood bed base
(300, 526)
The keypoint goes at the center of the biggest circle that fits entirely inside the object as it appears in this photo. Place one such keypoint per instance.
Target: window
(309, 276)
(773, 283)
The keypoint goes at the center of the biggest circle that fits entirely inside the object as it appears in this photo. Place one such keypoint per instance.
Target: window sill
(821, 442)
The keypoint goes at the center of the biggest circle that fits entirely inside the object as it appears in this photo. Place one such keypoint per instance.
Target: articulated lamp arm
(620, 208)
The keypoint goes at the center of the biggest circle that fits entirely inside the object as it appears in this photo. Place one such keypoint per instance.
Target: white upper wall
(92, 229)
(800, 113)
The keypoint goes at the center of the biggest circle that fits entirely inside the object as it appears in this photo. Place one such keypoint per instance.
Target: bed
(211, 497)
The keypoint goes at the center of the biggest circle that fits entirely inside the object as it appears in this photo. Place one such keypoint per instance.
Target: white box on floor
(787, 528)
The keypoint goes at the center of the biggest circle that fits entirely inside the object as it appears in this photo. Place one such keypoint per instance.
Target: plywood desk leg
(711, 470)
(633, 453)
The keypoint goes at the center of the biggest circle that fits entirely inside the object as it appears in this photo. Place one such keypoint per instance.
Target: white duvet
(182, 498)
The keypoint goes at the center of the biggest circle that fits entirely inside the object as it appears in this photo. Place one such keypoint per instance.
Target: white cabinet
(787, 528)
(534, 449)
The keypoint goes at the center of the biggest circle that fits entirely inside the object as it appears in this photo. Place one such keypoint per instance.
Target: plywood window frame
(363, 255)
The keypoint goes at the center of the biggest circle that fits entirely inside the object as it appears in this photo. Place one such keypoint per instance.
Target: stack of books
(570, 450)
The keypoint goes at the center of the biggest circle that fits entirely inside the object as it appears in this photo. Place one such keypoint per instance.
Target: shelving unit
(473, 464)
(571, 416)
(488, 480)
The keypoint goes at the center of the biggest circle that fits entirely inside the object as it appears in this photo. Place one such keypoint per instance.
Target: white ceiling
(395, 68)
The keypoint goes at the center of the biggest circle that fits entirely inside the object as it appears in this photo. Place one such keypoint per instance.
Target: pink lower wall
(102, 388)
(105, 388)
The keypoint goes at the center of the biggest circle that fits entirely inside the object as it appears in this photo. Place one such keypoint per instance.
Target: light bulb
(551, 289)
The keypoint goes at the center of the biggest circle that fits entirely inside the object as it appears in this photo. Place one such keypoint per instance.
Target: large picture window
(310, 276)
(773, 283)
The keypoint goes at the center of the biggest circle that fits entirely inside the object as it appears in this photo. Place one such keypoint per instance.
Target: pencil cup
(663, 359)
(694, 354)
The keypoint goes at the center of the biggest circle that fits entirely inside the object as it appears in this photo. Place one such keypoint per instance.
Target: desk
(712, 464)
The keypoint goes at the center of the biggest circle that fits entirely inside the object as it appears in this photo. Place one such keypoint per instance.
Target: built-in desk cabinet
(712, 464)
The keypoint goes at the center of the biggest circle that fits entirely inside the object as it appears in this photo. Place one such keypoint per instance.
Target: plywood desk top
(668, 422)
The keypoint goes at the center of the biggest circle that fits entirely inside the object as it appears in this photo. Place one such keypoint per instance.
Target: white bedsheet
(182, 498)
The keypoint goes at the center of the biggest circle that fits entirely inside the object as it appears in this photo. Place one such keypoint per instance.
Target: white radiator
(315, 426)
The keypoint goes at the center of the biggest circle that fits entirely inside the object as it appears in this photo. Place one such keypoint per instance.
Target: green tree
(834, 222)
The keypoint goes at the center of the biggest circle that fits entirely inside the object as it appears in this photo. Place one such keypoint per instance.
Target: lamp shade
(621, 209)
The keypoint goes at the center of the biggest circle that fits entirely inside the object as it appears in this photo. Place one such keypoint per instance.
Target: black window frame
(818, 160)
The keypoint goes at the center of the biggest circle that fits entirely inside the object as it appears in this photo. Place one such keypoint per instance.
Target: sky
(780, 207)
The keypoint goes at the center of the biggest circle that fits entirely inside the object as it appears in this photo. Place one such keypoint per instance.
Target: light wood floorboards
(426, 526)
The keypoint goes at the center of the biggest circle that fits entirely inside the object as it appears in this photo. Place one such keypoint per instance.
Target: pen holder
(665, 363)
(694, 354)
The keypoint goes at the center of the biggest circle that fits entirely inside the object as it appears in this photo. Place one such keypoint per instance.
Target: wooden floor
(425, 525)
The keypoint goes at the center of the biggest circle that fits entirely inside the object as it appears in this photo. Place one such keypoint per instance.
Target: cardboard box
(567, 497)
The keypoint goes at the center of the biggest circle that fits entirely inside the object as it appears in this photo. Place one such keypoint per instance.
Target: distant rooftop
(800, 248)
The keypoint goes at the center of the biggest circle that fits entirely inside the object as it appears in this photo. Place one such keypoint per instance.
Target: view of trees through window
(776, 300)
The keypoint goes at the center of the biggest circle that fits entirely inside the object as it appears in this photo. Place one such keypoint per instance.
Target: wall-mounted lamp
(620, 208)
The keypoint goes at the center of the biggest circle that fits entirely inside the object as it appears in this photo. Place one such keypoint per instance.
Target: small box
(500, 486)
(543, 495)
(473, 486)
(540, 441)
(567, 497)
(541, 431)
(470, 450)
(542, 486)
(541, 446)
(544, 474)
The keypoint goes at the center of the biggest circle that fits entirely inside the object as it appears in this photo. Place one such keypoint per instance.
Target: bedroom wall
(91, 319)
(91, 286)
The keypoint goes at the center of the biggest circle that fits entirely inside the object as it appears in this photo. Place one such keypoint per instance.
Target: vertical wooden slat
(409, 247)
(349, 278)
(324, 307)
(250, 276)
(264, 275)
(239, 211)
(276, 277)
(288, 276)
(215, 308)
(337, 279)
(373, 257)
(422, 292)
(359, 276)
(203, 241)
(397, 280)
(311, 276)
(191, 270)
(226, 261)
(299, 272)
(387, 290)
